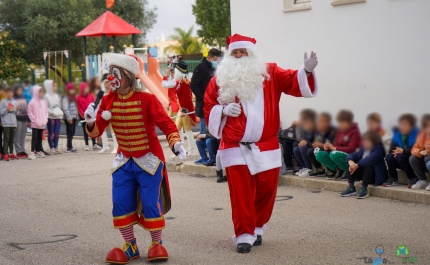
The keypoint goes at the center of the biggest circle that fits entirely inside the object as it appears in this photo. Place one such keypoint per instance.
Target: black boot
(219, 177)
(259, 241)
(243, 248)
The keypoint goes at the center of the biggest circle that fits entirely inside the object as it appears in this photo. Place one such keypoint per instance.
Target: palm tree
(187, 44)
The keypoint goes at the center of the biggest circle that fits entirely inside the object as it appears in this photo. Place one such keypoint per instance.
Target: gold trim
(133, 149)
(150, 229)
(127, 96)
(128, 124)
(115, 169)
(124, 216)
(94, 133)
(126, 110)
(127, 104)
(136, 130)
(153, 219)
(122, 143)
(131, 137)
(124, 226)
(122, 118)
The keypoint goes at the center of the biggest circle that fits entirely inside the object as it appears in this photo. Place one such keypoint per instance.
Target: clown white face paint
(115, 78)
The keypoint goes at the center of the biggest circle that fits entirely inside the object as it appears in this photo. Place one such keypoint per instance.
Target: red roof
(108, 24)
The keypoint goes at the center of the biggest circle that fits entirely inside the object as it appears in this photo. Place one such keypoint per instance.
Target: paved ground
(67, 197)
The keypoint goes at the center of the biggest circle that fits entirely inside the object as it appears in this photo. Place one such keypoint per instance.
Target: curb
(400, 192)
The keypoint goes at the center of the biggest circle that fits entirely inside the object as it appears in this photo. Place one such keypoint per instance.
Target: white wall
(373, 56)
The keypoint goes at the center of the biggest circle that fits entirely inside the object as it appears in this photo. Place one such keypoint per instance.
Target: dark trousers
(365, 174)
(70, 132)
(86, 135)
(421, 166)
(401, 161)
(8, 135)
(36, 140)
(301, 155)
(53, 132)
(1, 140)
(312, 157)
(287, 146)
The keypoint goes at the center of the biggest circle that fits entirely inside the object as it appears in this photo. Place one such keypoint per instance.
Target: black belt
(247, 144)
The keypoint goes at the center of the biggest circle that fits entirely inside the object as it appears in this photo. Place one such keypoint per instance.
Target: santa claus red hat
(240, 42)
(127, 62)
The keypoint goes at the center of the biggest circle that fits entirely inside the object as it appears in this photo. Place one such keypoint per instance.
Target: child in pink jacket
(38, 114)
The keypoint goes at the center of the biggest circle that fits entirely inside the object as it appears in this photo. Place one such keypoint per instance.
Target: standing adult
(242, 108)
(202, 74)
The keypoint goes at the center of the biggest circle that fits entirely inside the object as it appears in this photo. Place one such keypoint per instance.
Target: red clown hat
(240, 42)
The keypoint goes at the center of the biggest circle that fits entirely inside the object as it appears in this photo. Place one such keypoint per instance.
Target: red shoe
(6, 157)
(13, 157)
(157, 252)
(21, 156)
(123, 256)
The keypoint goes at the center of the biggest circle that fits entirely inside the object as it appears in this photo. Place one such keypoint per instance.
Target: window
(296, 5)
(343, 2)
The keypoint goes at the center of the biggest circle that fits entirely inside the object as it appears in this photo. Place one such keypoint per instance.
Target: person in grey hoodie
(9, 108)
(22, 122)
(70, 115)
(55, 114)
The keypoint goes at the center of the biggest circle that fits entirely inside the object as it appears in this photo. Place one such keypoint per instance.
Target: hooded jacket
(422, 144)
(83, 101)
(37, 110)
(22, 116)
(8, 117)
(348, 141)
(52, 101)
(396, 141)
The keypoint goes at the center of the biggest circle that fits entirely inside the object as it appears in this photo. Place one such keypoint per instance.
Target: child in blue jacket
(367, 164)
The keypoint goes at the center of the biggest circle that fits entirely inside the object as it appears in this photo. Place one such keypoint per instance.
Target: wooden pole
(103, 43)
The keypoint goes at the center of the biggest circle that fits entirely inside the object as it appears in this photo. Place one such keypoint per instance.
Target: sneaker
(114, 151)
(58, 151)
(289, 170)
(390, 182)
(52, 151)
(339, 174)
(362, 193)
(421, 184)
(300, 171)
(305, 173)
(21, 156)
(97, 147)
(31, 156)
(412, 182)
(71, 150)
(317, 173)
(349, 192)
(40, 155)
(330, 174)
(13, 157)
(428, 188)
(105, 148)
(200, 161)
(297, 170)
(87, 148)
(6, 157)
(344, 177)
(45, 153)
(129, 252)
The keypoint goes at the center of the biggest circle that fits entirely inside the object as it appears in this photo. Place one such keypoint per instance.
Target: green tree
(51, 25)
(187, 44)
(213, 16)
(12, 63)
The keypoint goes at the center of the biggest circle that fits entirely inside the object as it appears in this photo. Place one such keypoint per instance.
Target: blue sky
(171, 14)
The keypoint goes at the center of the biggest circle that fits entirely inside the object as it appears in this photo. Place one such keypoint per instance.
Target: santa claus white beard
(240, 77)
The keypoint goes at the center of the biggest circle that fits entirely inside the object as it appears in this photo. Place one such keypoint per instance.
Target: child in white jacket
(55, 114)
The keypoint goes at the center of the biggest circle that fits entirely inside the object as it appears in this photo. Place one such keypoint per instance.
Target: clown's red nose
(110, 78)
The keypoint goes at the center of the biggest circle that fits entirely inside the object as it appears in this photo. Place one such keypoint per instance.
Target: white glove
(232, 109)
(90, 114)
(311, 62)
(180, 151)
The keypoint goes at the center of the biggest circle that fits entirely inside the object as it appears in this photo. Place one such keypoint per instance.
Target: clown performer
(241, 106)
(140, 188)
(181, 85)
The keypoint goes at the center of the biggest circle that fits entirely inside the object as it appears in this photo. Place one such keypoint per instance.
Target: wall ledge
(344, 2)
(297, 7)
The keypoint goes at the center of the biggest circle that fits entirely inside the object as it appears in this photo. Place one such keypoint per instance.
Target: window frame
(291, 5)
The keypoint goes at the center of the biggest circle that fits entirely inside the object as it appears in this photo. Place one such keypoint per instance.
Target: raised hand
(311, 62)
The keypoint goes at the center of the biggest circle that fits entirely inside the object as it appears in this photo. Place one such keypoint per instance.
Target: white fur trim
(216, 121)
(304, 85)
(254, 112)
(124, 61)
(241, 45)
(244, 238)
(106, 115)
(231, 157)
(260, 230)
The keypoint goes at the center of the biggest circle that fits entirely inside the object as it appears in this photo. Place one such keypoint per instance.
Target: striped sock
(156, 235)
(127, 233)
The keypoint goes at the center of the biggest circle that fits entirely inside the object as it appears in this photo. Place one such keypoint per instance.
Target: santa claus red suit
(242, 109)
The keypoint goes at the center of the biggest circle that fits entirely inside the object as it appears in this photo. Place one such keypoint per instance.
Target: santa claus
(242, 109)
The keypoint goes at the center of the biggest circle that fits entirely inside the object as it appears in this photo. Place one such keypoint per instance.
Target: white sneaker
(87, 148)
(52, 151)
(428, 188)
(28, 130)
(305, 173)
(97, 147)
(300, 171)
(58, 151)
(114, 151)
(40, 155)
(105, 148)
(421, 184)
(31, 156)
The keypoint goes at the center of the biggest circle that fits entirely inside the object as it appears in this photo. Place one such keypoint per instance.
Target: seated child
(324, 134)
(420, 158)
(305, 131)
(206, 142)
(400, 150)
(348, 139)
(374, 123)
(367, 164)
